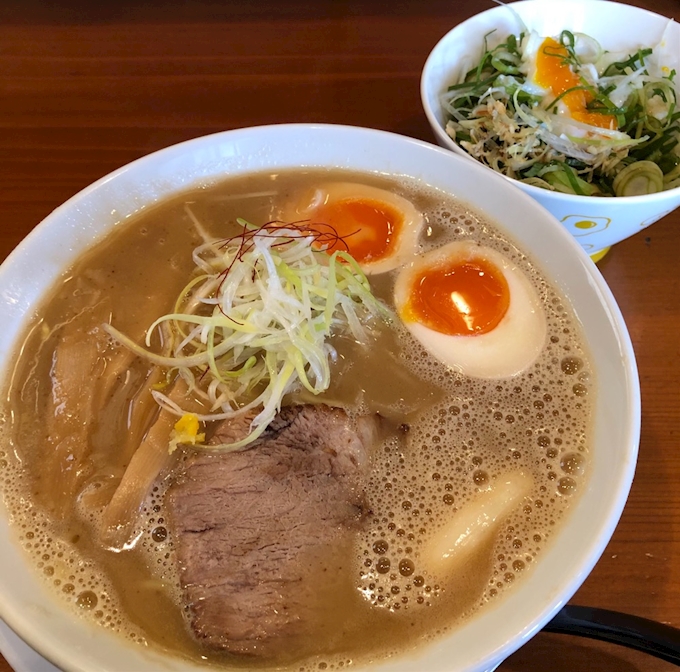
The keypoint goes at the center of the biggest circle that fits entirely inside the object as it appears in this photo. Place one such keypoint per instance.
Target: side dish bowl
(480, 644)
(596, 222)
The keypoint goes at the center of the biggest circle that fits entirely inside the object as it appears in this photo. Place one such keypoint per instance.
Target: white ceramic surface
(598, 222)
(19, 655)
(76, 645)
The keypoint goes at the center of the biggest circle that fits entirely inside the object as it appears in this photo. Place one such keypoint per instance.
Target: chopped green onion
(639, 178)
(565, 180)
(671, 180)
(621, 66)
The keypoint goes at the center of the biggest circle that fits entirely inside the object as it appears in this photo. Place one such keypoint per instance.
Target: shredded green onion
(253, 324)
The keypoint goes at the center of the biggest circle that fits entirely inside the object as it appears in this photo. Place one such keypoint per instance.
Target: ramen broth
(450, 438)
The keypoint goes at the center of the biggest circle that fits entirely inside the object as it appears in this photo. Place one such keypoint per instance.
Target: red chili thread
(324, 238)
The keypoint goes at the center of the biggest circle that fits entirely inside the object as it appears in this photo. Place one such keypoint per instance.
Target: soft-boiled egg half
(378, 228)
(472, 309)
(550, 75)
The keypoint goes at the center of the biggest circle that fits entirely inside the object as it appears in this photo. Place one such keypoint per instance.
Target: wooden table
(86, 87)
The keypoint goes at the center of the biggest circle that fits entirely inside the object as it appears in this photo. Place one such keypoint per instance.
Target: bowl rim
(426, 89)
(21, 624)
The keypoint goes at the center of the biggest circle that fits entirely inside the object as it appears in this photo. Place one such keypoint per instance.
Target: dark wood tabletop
(86, 87)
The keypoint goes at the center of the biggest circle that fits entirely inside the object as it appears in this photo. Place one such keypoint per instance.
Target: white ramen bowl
(596, 222)
(32, 611)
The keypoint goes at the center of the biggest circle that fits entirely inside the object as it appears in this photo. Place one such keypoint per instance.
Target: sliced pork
(262, 535)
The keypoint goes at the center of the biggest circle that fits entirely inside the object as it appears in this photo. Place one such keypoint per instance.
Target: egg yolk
(367, 229)
(554, 73)
(461, 298)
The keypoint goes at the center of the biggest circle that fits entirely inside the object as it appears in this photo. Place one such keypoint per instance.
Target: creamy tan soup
(450, 438)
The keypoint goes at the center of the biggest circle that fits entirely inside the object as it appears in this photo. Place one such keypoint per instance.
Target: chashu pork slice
(263, 536)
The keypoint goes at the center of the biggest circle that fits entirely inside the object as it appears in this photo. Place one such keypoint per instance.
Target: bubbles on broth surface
(76, 581)
(535, 422)
(434, 462)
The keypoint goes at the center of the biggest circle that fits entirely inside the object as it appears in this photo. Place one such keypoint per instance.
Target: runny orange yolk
(461, 298)
(369, 228)
(553, 73)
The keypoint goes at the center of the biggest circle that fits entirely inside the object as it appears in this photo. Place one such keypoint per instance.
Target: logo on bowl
(584, 225)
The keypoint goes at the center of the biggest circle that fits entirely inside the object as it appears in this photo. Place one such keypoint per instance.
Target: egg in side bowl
(551, 76)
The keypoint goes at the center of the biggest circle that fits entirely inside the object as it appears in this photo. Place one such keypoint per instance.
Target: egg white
(505, 351)
(302, 206)
(530, 46)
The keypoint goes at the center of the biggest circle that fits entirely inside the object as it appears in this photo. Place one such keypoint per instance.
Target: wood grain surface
(86, 87)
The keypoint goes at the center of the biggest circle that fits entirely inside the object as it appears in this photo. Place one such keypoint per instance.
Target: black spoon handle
(657, 639)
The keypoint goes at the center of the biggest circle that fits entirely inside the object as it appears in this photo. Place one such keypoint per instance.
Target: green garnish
(641, 177)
